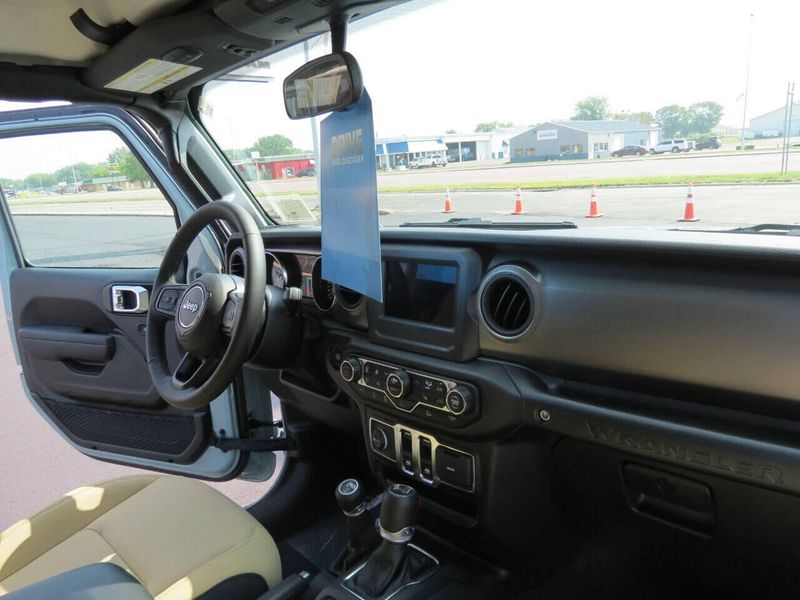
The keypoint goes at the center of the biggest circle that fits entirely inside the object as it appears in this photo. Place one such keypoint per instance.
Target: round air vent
(348, 298)
(507, 303)
(236, 263)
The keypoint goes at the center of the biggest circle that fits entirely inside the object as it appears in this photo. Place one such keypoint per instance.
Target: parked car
(428, 161)
(672, 146)
(709, 143)
(307, 172)
(629, 151)
(113, 188)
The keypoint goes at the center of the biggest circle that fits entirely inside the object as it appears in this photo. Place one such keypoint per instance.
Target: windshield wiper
(768, 228)
(489, 224)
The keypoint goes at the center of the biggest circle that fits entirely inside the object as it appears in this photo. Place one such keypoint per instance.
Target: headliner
(39, 32)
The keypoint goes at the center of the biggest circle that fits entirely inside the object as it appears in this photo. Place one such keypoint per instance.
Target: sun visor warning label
(151, 76)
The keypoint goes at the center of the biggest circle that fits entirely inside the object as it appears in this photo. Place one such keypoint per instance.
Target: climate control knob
(350, 369)
(459, 400)
(398, 384)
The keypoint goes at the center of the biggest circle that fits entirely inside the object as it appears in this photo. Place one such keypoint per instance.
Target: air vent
(236, 263)
(282, 20)
(507, 302)
(348, 298)
(320, 3)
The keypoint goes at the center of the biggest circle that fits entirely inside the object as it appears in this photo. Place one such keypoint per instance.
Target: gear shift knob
(351, 497)
(399, 513)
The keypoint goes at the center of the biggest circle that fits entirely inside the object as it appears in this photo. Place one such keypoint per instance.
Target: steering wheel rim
(220, 307)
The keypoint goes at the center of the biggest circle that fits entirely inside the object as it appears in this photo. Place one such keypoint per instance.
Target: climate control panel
(421, 456)
(424, 395)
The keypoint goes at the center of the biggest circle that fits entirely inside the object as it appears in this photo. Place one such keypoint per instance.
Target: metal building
(771, 124)
(560, 140)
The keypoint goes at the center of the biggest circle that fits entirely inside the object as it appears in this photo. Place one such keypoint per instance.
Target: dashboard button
(336, 357)
(380, 441)
(398, 384)
(459, 400)
(350, 369)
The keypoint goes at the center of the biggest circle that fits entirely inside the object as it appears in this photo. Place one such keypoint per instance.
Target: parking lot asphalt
(64, 230)
(695, 163)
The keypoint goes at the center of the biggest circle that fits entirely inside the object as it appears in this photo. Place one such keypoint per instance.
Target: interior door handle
(129, 299)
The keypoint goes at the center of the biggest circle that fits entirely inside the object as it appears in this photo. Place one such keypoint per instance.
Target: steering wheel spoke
(167, 300)
(214, 348)
(193, 372)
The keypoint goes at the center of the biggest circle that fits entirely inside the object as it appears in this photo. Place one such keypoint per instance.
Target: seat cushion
(178, 536)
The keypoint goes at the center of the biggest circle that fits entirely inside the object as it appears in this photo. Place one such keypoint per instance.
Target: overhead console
(428, 293)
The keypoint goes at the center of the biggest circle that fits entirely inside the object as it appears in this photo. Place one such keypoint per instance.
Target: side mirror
(325, 84)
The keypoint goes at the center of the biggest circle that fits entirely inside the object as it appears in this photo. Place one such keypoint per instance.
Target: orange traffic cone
(688, 211)
(518, 208)
(448, 204)
(594, 212)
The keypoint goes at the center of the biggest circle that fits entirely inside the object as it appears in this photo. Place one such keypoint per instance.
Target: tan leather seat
(178, 536)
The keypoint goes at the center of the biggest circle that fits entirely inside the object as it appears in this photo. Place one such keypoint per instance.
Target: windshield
(534, 112)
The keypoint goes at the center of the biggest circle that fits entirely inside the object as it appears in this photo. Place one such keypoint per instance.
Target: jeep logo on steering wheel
(192, 306)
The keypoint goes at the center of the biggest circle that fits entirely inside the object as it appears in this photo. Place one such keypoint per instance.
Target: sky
(451, 64)
(454, 63)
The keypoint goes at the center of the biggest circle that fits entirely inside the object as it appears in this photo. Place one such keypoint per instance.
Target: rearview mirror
(325, 84)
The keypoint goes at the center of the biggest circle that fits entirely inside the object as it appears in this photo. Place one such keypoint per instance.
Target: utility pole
(746, 84)
(787, 126)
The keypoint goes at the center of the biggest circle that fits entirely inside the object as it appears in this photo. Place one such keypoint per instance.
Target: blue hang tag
(351, 244)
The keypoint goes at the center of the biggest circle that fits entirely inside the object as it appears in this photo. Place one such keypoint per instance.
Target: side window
(83, 199)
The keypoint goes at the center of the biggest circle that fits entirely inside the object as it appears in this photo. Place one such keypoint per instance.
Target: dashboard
(490, 347)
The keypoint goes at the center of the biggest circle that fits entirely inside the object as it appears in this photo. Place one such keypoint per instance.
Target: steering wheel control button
(398, 384)
(350, 369)
(168, 300)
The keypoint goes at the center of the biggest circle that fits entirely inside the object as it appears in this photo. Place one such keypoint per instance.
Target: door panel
(99, 213)
(86, 367)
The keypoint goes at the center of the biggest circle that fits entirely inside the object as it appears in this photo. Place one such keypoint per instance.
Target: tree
(129, 165)
(593, 108)
(643, 117)
(274, 145)
(702, 117)
(37, 181)
(490, 126)
(672, 119)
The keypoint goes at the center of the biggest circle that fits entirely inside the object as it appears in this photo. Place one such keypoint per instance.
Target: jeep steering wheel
(217, 317)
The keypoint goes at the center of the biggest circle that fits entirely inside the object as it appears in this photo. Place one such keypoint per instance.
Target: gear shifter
(394, 564)
(398, 513)
(352, 500)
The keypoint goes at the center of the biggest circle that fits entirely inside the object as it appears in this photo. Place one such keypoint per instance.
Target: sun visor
(173, 53)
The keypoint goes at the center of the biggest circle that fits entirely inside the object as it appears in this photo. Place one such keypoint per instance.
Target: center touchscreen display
(422, 292)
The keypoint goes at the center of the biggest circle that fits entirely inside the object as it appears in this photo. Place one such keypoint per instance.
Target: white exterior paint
(771, 123)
